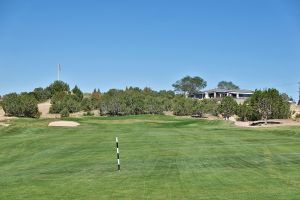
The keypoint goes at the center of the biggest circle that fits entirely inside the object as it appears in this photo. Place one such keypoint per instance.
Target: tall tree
(58, 86)
(78, 93)
(189, 86)
(227, 85)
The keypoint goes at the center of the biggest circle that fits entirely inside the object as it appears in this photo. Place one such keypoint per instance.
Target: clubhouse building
(220, 93)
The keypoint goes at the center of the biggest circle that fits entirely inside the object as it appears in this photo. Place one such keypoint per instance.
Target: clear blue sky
(114, 44)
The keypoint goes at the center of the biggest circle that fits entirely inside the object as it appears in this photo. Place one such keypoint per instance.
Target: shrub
(71, 103)
(88, 113)
(153, 105)
(210, 106)
(87, 104)
(23, 105)
(95, 98)
(112, 103)
(269, 104)
(62, 100)
(182, 106)
(265, 104)
(58, 86)
(29, 106)
(245, 111)
(41, 94)
(228, 107)
(78, 93)
(64, 113)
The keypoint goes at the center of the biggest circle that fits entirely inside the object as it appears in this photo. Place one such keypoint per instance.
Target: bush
(265, 104)
(62, 100)
(41, 94)
(112, 103)
(183, 106)
(64, 113)
(87, 104)
(29, 106)
(78, 93)
(245, 111)
(228, 107)
(57, 87)
(23, 105)
(95, 98)
(210, 106)
(133, 101)
(88, 113)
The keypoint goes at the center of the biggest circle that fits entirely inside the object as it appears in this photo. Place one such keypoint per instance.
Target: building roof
(228, 91)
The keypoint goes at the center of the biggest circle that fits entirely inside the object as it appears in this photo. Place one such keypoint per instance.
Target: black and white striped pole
(118, 154)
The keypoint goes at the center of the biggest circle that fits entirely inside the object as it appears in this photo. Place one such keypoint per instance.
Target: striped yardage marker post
(118, 154)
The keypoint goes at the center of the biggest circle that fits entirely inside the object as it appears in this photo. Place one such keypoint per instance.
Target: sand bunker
(4, 124)
(271, 123)
(64, 123)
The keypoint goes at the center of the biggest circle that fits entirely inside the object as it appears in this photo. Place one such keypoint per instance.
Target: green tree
(245, 111)
(227, 85)
(41, 94)
(62, 100)
(58, 86)
(22, 105)
(112, 103)
(95, 98)
(228, 107)
(210, 106)
(78, 93)
(29, 106)
(183, 106)
(189, 86)
(269, 104)
(12, 105)
(87, 104)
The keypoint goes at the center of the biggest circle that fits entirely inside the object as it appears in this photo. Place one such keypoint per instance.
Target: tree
(189, 86)
(95, 98)
(20, 105)
(41, 94)
(58, 86)
(210, 106)
(87, 104)
(62, 100)
(269, 104)
(228, 107)
(183, 106)
(286, 97)
(11, 104)
(227, 85)
(29, 106)
(245, 111)
(112, 103)
(78, 93)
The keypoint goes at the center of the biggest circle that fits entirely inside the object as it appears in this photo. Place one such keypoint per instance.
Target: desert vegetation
(264, 104)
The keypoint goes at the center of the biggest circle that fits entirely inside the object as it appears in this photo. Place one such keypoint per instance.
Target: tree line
(264, 104)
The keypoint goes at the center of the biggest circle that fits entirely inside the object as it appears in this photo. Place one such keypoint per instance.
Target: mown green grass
(161, 158)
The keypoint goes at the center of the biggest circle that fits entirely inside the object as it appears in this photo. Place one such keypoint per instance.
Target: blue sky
(114, 44)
